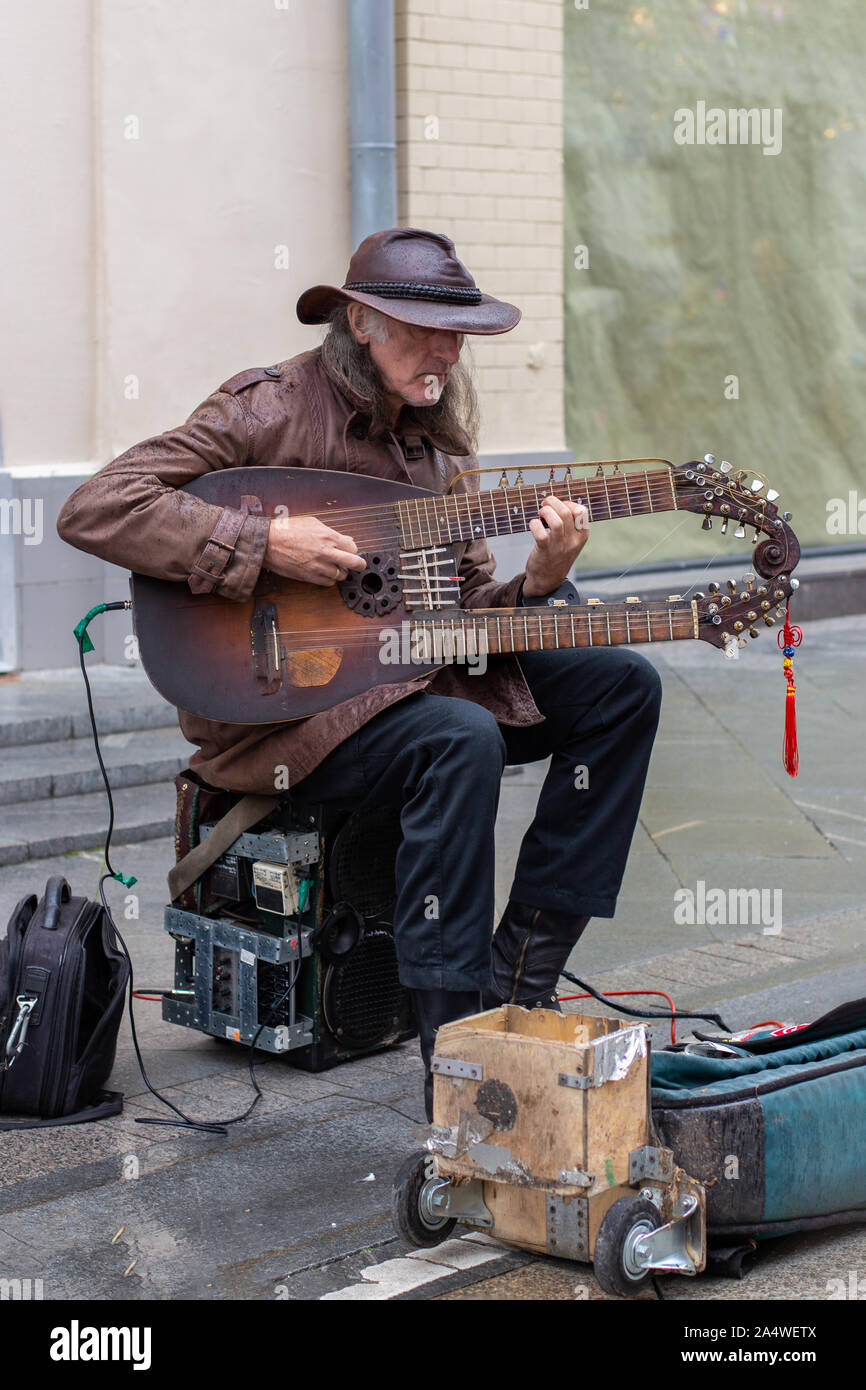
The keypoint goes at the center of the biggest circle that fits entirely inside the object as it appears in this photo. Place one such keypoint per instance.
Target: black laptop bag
(63, 980)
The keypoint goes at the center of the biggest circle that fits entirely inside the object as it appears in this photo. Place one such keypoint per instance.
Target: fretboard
(507, 511)
(497, 632)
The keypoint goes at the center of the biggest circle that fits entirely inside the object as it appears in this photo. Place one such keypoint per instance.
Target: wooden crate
(555, 1102)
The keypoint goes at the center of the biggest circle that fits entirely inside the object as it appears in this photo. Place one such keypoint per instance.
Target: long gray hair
(452, 420)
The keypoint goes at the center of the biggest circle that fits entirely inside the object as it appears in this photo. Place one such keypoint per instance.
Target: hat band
(390, 289)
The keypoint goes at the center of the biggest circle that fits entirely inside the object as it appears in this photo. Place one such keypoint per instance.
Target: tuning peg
(709, 458)
(748, 580)
(699, 593)
(732, 585)
(769, 620)
(725, 466)
(795, 583)
(713, 587)
(752, 632)
(786, 516)
(772, 494)
(756, 484)
(725, 526)
(740, 532)
(756, 537)
(707, 524)
(741, 642)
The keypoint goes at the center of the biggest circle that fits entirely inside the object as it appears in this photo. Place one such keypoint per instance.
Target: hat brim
(490, 316)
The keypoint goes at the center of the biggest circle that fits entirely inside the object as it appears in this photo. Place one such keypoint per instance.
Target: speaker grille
(361, 865)
(363, 1000)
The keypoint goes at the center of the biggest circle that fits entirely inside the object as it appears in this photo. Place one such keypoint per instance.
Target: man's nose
(447, 344)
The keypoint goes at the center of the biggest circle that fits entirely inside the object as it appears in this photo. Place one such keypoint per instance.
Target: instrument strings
(469, 508)
(527, 620)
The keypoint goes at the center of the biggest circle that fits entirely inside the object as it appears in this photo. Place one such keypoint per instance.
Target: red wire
(152, 998)
(614, 993)
(768, 1023)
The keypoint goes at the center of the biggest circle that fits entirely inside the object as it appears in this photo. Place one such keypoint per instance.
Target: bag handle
(57, 892)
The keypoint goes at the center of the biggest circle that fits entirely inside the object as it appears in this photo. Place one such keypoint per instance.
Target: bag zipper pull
(17, 1037)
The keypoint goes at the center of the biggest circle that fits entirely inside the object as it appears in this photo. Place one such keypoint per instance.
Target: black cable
(185, 1121)
(643, 1013)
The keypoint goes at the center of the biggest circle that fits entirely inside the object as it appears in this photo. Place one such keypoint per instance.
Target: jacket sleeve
(132, 513)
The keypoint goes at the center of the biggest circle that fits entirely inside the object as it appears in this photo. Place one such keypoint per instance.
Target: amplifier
(303, 899)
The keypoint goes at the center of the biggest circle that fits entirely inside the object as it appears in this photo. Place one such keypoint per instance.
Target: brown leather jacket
(293, 415)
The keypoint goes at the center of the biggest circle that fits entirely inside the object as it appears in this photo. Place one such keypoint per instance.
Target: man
(386, 395)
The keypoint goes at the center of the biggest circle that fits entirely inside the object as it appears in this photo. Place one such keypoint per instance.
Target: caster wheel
(414, 1219)
(615, 1262)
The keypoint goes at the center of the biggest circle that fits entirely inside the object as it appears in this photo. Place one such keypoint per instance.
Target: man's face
(414, 363)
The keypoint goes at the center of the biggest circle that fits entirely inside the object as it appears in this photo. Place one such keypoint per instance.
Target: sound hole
(378, 590)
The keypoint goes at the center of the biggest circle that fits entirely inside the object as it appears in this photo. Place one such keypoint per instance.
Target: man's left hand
(556, 547)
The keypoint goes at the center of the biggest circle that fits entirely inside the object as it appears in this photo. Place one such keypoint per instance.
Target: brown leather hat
(413, 276)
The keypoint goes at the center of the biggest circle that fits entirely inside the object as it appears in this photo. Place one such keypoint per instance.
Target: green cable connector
(126, 879)
(303, 894)
(80, 629)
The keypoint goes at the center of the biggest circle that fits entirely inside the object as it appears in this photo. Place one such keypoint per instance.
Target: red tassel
(789, 639)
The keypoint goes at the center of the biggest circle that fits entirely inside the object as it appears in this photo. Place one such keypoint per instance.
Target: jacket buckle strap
(213, 560)
(413, 446)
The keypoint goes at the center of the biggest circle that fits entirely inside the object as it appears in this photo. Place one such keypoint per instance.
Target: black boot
(434, 1007)
(530, 948)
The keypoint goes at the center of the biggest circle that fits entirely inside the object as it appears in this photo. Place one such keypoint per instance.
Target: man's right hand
(305, 548)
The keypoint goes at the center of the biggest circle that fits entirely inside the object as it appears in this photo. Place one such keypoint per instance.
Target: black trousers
(441, 760)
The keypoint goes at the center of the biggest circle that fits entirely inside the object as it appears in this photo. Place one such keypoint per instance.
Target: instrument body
(295, 649)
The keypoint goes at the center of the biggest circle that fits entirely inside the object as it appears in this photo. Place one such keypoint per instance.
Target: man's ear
(357, 315)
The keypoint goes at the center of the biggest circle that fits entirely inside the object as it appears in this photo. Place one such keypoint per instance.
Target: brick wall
(479, 131)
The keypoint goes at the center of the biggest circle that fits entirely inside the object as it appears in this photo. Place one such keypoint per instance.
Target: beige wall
(47, 281)
(243, 113)
(154, 156)
(490, 73)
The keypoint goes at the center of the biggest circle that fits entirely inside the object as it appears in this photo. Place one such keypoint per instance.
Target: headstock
(740, 497)
(732, 612)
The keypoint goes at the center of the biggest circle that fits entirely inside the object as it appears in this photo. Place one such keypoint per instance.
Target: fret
(607, 615)
(649, 496)
(420, 530)
(589, 625)
(673, 489)
(537, 503)
(511, 624)
(573, 639)
(671, 622)
(606, 494)
(427, 524)
(470, 536)
(592, 488)
(627, 495)
(627, 626)
(540, 635)
(494, 524)
(498, 636)
(649, 631)
(523, 508)
(556, 629)
(526, 633)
